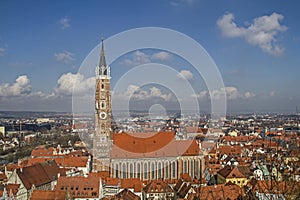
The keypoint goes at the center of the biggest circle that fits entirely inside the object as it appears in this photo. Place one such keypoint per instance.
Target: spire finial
(102, 65)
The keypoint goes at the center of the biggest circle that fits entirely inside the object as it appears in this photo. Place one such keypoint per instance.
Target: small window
(102, 86)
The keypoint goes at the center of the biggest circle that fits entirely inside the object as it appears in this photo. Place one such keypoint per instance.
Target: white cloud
(65, 57)
(230, 92)
(202, 95)
(162, 56)
(272, 93)
(262, 32)
(65, 22)
(249, 95)
(67, 82)
(137, 93)
(19, 88)
(156, 92)
(182, 2)
(2, 51)
(185, 75)
(138, 59)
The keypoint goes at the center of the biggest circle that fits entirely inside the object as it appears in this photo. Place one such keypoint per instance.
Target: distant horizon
(145, 111)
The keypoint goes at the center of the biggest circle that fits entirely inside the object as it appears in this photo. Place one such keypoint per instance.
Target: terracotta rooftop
(231, 172)
(162, 144)
(157, 186)
(234, 150)
(103, 174)
(79, 186)
(47, 172)
(112, 181)
(126, 195)
(221, 192)
(9, 188)
(48, 195)
(11, 167)
(132, 183)
(282, 187)
(63, 160)
(142, 142)
(3, 177)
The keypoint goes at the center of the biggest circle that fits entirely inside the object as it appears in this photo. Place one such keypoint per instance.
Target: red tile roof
(38, 174)
(112, 181)
(103, 174)
(231, 172)
(274, 187)
(48, 195)
(10, 188)
(162, 144)
(134, 183)
(11, 167)
(158, 186)
(63, 160)
(79, 186)
(232, 150)
(221, 192)
(3, 177)
(126, 195)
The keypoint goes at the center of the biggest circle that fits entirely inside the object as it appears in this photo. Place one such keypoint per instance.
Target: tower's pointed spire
(102, 55)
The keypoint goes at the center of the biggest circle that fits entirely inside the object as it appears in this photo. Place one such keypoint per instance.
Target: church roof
(161, 144)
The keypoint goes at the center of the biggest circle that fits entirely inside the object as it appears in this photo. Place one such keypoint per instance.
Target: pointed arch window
(152, 171)
(145, 170)
(124, 170)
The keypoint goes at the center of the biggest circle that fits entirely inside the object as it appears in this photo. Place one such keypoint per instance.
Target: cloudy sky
(255, 45)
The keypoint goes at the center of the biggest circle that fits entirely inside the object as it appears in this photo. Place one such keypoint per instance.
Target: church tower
(102, 135)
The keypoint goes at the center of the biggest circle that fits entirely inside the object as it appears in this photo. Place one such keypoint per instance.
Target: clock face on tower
(103, 115)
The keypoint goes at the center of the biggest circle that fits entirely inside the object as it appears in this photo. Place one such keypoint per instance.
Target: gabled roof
(184, 190)
(10, 188)
(161, 144)
(11, 167)
(274, 187)
(230, 150)
(63, 160)
(38, 174)
(220, 191)
(126, 195)
(231, 172)
(158, 186)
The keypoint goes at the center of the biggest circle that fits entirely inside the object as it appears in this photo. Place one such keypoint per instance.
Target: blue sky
(255, 45)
